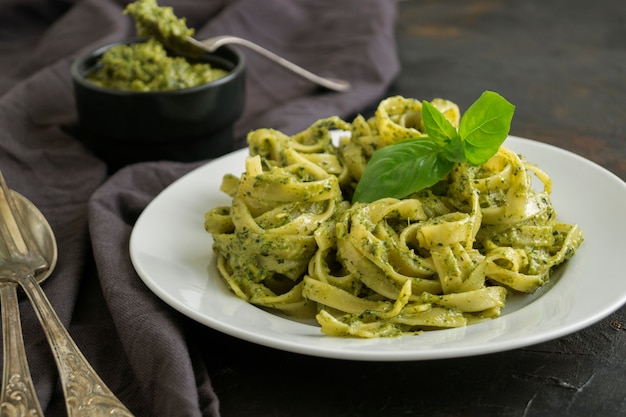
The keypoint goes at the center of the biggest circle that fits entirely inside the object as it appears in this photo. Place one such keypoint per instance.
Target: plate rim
(358, 350)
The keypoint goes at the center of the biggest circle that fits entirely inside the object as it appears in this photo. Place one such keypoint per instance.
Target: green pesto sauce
(146, 66)
(158, 22)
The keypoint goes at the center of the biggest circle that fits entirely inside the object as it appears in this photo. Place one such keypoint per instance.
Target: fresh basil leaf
(455, 150)
(438, 128)
(485, 126)
(402, 168)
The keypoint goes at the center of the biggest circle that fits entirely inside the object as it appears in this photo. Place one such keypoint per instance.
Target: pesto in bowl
(146, 66)
(184, 124)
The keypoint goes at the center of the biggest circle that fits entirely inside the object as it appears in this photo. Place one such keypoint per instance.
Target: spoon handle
(85, 392)
(211, 44)
(18, 392)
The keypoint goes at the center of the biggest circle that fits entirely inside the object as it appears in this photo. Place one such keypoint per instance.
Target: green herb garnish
(405, 167)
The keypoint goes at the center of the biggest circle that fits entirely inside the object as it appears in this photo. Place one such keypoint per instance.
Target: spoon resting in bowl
(161, 24)
(212, 44)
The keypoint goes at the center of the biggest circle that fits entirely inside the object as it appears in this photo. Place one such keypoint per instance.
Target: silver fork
(85, 392)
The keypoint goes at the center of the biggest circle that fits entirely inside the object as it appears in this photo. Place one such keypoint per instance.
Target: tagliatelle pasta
(443, 257)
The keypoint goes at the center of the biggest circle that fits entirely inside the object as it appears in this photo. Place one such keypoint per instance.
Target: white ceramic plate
(172, 254)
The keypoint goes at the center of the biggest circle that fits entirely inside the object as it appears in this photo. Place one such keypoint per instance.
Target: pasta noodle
(443, 257)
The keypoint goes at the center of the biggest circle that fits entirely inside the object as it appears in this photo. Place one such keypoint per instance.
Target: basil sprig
(405, 167)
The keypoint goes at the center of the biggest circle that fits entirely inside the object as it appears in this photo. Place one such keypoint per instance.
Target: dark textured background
(561, 62)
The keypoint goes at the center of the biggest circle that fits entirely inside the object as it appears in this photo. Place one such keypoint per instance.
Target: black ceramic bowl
(191, 124)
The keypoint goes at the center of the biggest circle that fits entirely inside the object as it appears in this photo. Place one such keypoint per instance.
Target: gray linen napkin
(142, 348)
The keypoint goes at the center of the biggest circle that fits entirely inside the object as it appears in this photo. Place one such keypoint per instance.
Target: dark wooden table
(563, 64)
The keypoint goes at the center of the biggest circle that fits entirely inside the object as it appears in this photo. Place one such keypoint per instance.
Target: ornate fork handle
(18, 396)
(85, 392)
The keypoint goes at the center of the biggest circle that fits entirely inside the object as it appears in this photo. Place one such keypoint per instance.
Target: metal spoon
(18, 392)
(212, 44)
(85, 392)
(191, 47)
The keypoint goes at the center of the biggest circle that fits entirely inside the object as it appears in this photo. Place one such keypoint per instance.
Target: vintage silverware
(85, 392)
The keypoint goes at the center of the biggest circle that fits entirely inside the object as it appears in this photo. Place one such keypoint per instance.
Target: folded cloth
(141, 347)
